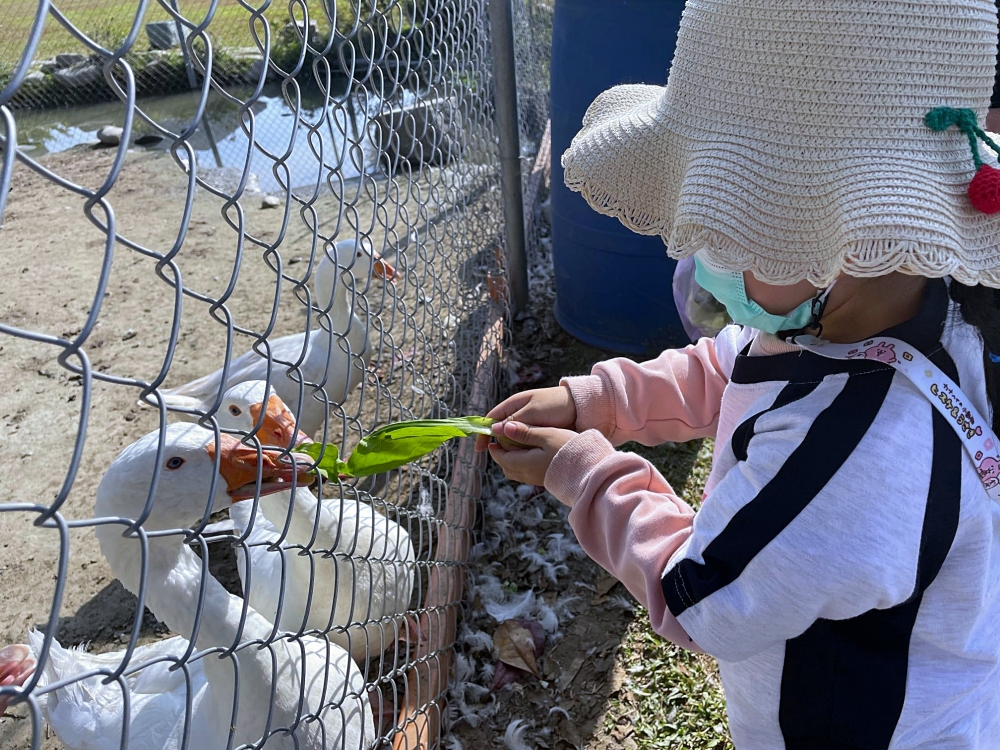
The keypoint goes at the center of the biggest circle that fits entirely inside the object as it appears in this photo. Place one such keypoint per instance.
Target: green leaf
(398, 444)
(330, 463)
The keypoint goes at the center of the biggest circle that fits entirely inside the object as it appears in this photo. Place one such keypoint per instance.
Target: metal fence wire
(303, 230)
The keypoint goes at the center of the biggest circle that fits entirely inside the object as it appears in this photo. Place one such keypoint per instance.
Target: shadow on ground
(106, 620)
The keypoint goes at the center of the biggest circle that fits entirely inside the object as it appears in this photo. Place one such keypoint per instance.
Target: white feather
(513, 738)
(515, 607)
(465, 670)
(623, 602)
(561, 548)
(546, 616)
(477, 641)
(525, 491)
(562, 606)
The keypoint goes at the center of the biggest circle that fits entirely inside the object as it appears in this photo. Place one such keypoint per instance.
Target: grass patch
(671, 698)
(108, 20)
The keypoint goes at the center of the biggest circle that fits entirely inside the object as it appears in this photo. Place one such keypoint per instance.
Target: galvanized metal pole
(505, 103)
(188, 66)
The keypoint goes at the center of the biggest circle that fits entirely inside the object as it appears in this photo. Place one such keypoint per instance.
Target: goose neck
(173, 591)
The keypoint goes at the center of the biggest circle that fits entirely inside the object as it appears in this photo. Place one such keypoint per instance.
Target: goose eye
(235, 410)
(175, 462)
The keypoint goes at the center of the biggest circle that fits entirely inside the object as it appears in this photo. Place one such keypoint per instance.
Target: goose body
(87, 714)
(361, 566)
(334, 359)
(303, 693)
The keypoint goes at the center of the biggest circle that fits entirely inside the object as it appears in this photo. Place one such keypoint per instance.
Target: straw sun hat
(792, 140)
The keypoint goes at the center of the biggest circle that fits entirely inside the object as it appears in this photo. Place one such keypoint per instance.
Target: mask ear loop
(818, 308)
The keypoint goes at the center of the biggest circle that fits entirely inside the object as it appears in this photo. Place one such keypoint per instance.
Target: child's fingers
(520, 466)
(524, 435)
(508, 407)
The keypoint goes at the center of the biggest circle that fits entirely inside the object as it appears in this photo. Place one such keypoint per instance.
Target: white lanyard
(944, 395)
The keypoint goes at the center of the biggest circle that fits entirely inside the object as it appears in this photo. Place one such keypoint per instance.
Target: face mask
(728, 288)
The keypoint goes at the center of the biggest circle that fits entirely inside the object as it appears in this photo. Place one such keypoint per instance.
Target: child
(844, 569)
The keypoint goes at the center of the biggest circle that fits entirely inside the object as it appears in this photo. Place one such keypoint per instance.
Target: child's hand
(529, 464)
(542, 407)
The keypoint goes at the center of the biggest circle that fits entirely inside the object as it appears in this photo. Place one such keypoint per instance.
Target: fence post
(192, 79)
(505, 101)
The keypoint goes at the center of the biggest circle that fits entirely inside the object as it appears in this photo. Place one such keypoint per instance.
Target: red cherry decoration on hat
(984, 190)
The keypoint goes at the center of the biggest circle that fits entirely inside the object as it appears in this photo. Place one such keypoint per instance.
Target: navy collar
(923, 331)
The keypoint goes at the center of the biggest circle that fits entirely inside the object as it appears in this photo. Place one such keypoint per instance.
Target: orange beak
(278, 426)
(382, 269)
(238, 465)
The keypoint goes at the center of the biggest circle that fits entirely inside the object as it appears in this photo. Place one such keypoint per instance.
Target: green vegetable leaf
(330, 464)
(398, 444)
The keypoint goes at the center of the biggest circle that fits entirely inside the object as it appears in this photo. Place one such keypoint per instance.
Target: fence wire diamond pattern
(318, 208)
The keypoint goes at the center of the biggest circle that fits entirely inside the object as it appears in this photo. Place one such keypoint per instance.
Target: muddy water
(221, 146)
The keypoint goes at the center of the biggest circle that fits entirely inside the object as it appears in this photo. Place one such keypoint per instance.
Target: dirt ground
(50, 265)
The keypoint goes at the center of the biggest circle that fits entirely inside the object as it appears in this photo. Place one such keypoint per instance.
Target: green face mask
(729, 289)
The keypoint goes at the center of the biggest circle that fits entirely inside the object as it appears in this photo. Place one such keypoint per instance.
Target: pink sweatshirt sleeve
(675, 397)
(626, 517)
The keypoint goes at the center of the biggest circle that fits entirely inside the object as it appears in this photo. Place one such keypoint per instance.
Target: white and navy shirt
(845, 566)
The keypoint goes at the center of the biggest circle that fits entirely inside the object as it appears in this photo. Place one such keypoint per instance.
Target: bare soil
(50, 268)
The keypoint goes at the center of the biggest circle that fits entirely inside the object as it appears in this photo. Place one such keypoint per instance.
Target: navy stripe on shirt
(833, 437)
(742, 435)
(843, 682)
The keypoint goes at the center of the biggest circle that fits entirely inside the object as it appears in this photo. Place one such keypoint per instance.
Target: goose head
(187, 467)
(357, 256)
(241, 409)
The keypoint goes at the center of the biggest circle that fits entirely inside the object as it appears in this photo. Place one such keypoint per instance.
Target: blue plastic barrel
(613, 287)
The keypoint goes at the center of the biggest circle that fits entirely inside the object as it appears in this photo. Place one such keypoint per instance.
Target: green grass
(108, 21)
(671, 698)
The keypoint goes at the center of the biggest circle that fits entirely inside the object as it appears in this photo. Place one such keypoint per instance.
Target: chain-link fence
(330, 224)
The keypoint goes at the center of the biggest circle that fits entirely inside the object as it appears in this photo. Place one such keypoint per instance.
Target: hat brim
(786, 212)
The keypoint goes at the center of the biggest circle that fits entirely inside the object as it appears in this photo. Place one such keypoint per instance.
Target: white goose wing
(369, 578)
(201, 393)
(87, 714)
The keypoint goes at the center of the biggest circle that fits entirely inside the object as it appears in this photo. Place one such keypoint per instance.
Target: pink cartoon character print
(989, 471)
(882, 352)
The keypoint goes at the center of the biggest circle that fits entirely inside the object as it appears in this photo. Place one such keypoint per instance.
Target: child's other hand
(528, 465)
(542, 407)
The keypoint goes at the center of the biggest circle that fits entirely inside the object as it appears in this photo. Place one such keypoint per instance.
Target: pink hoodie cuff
(594, 397)
(570, 470)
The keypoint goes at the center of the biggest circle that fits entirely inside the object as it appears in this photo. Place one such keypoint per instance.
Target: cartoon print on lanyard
(940, 390)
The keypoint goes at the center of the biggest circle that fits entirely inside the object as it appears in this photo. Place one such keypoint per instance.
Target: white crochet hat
(791, 140)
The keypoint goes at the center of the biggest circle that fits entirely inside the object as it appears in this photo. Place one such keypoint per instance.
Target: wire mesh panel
(307, 249)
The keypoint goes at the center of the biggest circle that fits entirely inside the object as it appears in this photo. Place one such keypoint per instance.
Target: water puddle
(220, 144)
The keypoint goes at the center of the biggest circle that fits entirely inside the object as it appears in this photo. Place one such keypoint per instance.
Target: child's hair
(980, 308)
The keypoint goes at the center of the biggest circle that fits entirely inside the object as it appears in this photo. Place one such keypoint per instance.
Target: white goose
(86, 715)
(361, 565)
(324, 355)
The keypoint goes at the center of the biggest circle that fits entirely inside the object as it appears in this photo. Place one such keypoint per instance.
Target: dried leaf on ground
(517, 646)
(605, 583)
